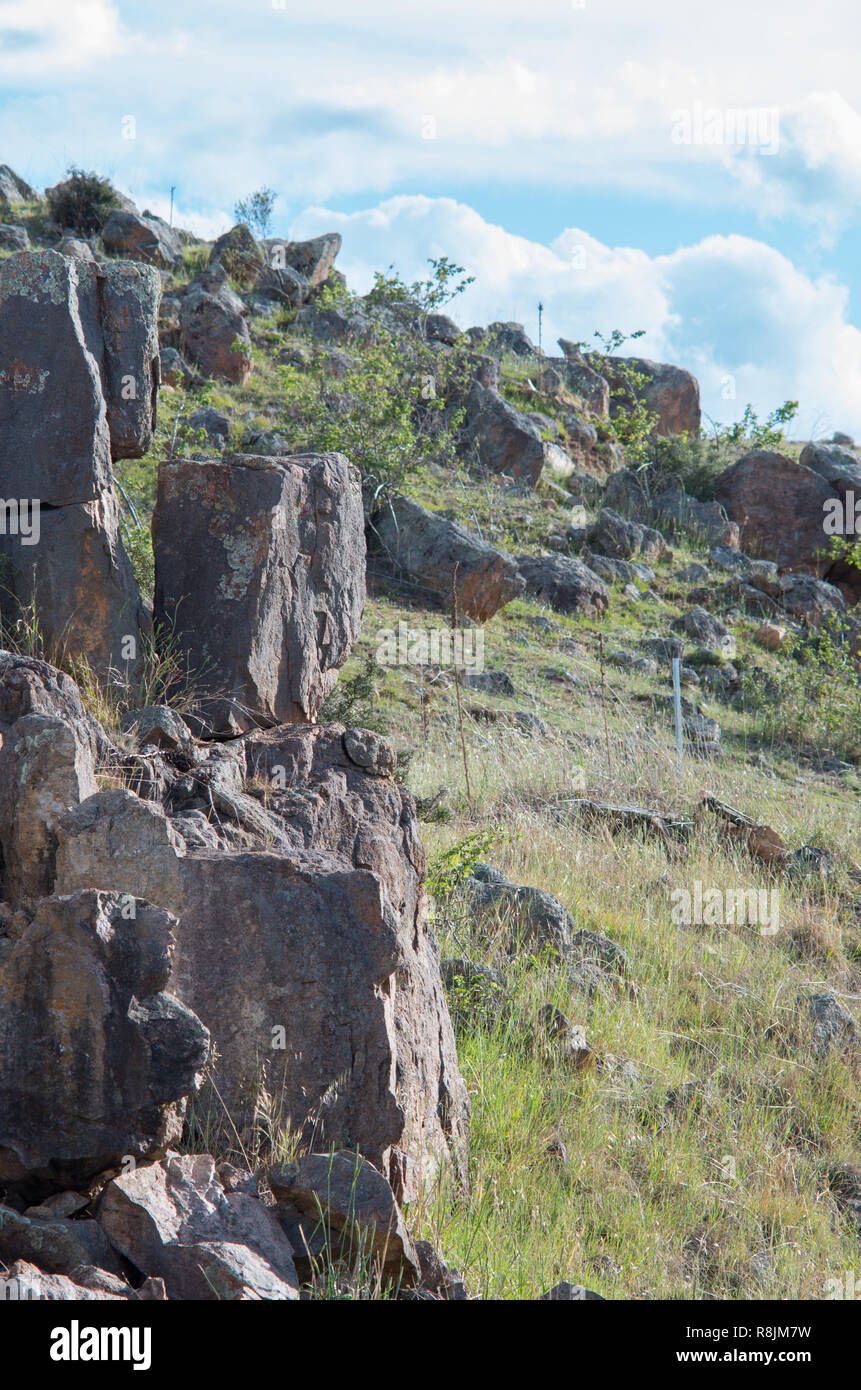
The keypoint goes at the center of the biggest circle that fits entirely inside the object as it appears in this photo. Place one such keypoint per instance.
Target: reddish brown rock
(780, 508)
(671, 393)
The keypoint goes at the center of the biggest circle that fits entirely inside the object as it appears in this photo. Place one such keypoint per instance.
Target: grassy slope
(729, 1195)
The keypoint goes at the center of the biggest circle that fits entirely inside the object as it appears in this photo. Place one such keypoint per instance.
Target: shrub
(82, 202)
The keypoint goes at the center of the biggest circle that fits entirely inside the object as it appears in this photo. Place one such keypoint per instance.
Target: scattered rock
(174, 1220)
(565, 584)
(428, 547)
(143, 236)
(341, 1201)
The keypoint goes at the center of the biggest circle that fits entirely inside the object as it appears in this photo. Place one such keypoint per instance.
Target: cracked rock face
(260, 573)
(78, 384)
(94, 1054)
(291, 864)
(304, 943)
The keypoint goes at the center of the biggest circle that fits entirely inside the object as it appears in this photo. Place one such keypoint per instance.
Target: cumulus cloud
(735, 311)
(38, 36)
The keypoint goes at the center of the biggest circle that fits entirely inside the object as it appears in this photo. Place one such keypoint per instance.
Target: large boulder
(143, 236)
(79, 347)
(780, 507)
(428, 547)
(95, 1056)
(175, 1220)
(505, 440)
(314, 965)
(214, 332)
(129, 298)
(565, 584)
(669, 392)
(260, 573)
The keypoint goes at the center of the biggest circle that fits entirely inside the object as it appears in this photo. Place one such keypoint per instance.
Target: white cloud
(41, 36)
(729, 307)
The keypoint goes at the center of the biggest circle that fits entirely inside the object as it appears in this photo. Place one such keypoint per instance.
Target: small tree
(256, 211)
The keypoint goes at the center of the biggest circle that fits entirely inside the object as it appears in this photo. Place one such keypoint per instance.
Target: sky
(692, 171)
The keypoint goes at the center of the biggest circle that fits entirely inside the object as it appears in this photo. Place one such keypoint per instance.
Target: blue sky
(691, 171)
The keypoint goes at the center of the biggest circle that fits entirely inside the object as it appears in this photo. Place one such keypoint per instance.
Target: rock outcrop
(80, 347)
(329, 995)
(260, 576)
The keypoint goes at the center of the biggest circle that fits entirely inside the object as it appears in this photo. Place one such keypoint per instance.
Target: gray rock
(565, 584)
(175, 1220)
(95, 1056)
(214, 332)
(13, 238)
(13, 189)
(834, 1028)
(343, 1198)
(617, 537)
(837, 463)
(428, 547)
(260, 569)
(707, 630)
(304, 994)
(812, 600)
(213, 422)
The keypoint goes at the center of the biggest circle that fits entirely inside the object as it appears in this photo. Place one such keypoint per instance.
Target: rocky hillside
(377, 920)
